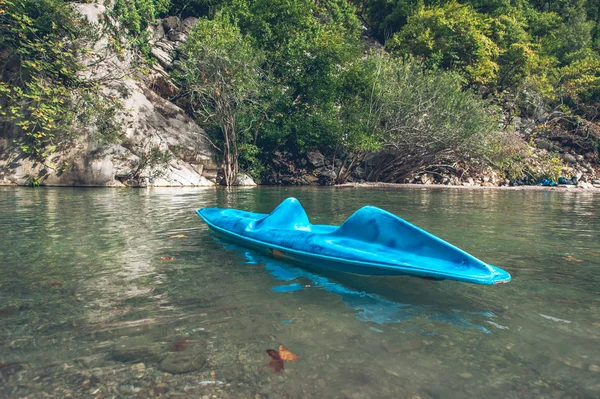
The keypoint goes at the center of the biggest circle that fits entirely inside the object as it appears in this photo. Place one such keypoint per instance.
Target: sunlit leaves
(44, 95)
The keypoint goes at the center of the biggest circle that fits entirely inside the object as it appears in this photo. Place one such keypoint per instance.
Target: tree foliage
(450, 37)
(136, 15)
(222, 79)
(265, 76)
(41, 92)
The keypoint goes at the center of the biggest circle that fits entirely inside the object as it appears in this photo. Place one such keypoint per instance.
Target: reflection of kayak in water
(426, 307)
(370, 242)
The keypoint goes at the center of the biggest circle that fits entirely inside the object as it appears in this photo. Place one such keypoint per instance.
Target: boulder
(189, 23)
(170, 23)
(157, 32)
(164, 58)
(543, 144)
(316, 159)
(243, 179)
(176, 36)
(328, 173)
(569, 158)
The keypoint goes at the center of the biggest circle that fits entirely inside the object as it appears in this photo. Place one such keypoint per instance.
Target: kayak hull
(355, 247)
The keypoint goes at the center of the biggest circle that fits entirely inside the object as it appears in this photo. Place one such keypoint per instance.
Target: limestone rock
(189, 23)
(157, 32)
(243, 179)
(93, 12)
(171, 23)
(163, 57)
(328, 173)
(152, 127)
(569, 158)
(176, 36)
(316, 159)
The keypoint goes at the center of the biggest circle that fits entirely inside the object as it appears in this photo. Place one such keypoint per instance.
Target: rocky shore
(162, 146)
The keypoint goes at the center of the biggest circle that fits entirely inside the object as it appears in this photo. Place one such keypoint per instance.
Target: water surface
(125, 293)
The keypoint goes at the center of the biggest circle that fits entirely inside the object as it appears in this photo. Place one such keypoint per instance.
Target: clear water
(96, 299)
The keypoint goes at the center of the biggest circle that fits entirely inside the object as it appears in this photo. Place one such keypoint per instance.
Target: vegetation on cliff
(42, 93)
(424, 82)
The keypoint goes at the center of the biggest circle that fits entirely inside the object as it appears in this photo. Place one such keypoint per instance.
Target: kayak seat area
(288, 215)
(380, 228)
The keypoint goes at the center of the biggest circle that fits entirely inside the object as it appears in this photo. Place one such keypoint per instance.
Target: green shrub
(452, 36)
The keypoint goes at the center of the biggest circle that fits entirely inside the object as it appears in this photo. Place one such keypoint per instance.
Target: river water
(125, 293)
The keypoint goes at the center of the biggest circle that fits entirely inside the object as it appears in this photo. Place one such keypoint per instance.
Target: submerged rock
(183, 362)
(136, 349)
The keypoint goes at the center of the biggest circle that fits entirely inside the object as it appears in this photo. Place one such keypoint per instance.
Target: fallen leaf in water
(286, 354)
(56, 284)
(278, 357)
(573, 259)
(276, 362)
(179, 345)
(178, 236)
(167, 258)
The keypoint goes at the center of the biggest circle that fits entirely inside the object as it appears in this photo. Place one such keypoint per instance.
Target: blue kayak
(370, 242)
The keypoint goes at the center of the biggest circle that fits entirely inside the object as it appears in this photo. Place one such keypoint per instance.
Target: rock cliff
(159, 146)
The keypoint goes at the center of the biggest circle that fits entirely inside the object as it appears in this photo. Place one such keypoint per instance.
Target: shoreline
(396, 186)
(559, 188)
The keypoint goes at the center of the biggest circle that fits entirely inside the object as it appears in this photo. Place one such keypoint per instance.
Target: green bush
(452, 36)
(136, 15)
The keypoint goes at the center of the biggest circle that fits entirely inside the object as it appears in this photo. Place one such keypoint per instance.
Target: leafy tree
(385, 17)
(221, 76)
(306, 45)
(452, 37)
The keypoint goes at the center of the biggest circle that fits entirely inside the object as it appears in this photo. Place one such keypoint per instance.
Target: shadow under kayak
(370, 242)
